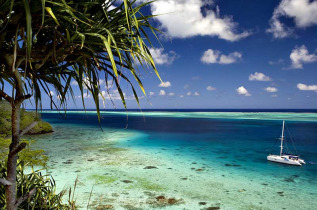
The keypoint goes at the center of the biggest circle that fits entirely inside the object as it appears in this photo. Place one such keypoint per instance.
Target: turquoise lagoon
(201, 159)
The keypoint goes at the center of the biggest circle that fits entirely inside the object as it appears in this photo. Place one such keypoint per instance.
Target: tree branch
(28, 128)
(24, 197)
(22, 98)
(5, 96)
(17, 149)
(5, 182)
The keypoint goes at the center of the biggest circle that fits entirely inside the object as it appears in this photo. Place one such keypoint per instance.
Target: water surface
(217, 158)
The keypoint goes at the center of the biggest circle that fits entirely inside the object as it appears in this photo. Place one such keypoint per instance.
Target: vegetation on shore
(27, 118)
(28, 155)
(44, 195)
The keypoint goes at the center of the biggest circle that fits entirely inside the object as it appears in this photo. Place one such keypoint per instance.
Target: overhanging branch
(28, 128)
(5, 182)
(17, 149)
(24, 197)
(5, 96)
(22, 98)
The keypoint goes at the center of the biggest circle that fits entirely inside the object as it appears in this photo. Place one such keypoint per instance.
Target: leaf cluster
(52, 43)
(28, 155)
(45, 197)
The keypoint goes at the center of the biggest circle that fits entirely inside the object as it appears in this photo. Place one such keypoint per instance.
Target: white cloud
(163, 58)
(184, 18)
(152, 93)
(87, 83)
(52, 93)
(87, 95)
(115, 95)
(189, 93)
(210, 88)
(271, 89)
(303, 12)
(165, 84)
(279, 61)
(258, 76)
(215, 56)
(274, 96)
(171, 94)
(101, 82)
(162, 93)
(300, 56)
(243, 91)
(74, 82)
(302, 86)
(181, 96)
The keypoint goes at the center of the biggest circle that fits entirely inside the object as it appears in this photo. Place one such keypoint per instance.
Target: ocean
(183, 159)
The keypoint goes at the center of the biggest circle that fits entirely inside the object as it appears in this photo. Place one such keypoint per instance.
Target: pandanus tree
(47, 45)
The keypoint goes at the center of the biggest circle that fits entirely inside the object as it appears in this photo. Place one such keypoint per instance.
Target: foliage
(32, 157)
(47, 45)
(45, 196)
(53, 43)
(26, 119)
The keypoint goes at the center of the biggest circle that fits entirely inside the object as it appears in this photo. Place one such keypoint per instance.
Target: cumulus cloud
(162, 93)
(271, 89)
(52, 93)
(171, 94)
(215, 56)
(210, 88)
(115, 95)
(243, 91)
(189, 93)
(86, 82)
(87, 95)
(302, 86)
(152, 93)
(303, 12)
(258, 76)
(165, 84)
(300, 56)
(279, 61)
(185, 18)
(161, 58)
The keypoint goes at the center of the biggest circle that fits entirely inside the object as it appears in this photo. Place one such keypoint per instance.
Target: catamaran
(283, 157)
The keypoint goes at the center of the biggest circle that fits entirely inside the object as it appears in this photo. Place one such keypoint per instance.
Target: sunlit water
(202, 159)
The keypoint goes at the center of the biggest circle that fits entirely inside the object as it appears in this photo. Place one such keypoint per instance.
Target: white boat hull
(283, 159)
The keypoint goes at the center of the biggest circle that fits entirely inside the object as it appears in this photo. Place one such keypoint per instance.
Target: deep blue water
(226, 140)
(229, 144)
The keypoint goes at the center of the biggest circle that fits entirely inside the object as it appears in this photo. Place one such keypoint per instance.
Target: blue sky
(230, 54)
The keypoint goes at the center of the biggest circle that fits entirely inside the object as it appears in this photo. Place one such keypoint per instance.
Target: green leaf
(49, 10)
(28, 18)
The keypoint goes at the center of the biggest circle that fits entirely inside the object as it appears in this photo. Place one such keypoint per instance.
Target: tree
(46, 45)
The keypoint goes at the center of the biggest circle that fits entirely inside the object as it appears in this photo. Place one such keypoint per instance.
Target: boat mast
(282, 138)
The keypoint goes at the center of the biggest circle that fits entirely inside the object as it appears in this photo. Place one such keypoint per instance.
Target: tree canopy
(49, 44)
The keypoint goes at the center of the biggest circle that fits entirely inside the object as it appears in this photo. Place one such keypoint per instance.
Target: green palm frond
(74, 41)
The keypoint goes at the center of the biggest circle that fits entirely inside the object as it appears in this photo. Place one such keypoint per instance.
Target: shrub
(45, 196)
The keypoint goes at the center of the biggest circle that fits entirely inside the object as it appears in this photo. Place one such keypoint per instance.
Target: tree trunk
(13, 157)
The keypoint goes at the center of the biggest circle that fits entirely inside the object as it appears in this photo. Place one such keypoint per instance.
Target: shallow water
(216, 159)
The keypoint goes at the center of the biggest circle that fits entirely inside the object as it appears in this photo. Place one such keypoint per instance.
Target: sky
(229, 54)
